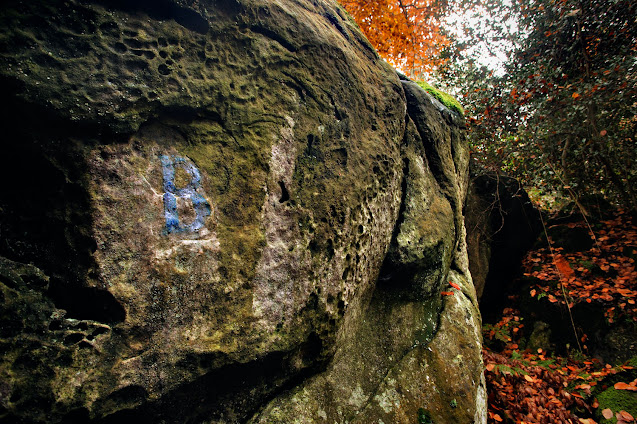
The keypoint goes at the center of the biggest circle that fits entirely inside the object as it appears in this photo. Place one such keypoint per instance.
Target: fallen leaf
(625, 416)
(620, 419)
(446, 293)
(563, 266)
(490, 367)
(575, 95)
(623, 386)
(607, 413)
(497, 418)
(454, 285)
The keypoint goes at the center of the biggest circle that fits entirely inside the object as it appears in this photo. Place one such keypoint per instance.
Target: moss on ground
(617, 400)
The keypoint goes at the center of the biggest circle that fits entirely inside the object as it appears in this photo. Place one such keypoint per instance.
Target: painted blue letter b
(189, 192)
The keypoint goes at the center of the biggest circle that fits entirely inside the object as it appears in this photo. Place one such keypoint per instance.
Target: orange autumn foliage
(406, 33)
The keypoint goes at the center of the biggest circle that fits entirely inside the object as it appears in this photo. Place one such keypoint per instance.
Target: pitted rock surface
(226, 211)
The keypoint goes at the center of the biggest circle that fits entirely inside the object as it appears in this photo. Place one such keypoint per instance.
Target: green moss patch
(444, 98)
(617, 400)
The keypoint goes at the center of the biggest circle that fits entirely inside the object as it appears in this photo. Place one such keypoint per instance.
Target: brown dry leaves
(529, 387)
(525, 392)
(606, 273)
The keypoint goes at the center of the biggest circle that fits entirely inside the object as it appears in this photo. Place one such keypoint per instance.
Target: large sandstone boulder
(198, 199)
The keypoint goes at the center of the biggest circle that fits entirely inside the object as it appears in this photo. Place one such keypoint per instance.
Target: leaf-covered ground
(535, 386)
(605, 273)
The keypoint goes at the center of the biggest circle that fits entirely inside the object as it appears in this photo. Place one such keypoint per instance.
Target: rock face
(227, 211)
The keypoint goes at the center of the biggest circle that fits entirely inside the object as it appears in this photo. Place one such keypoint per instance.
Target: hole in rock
(120, 48)
(285, 196)
(133, 43)
(84, 344)
(330, 249)
(99, 330)
(86, 303)
(15, 397)
(312, 347)
(345, 274)
(163, 69)
(72, 339)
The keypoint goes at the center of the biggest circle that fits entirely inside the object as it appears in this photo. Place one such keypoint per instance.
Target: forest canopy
(560, 113)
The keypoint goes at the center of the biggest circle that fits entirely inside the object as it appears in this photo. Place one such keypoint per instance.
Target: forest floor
(590, 374)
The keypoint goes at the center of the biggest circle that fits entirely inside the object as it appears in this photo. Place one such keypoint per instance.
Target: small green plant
(589, 265)
(505, 369)
(501, 331)
(424, 417)
(546, 363)
(453, 403)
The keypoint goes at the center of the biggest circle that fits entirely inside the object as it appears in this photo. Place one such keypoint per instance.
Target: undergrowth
(535, 385)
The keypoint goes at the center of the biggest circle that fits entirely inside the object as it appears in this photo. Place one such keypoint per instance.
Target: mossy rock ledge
(226, 211)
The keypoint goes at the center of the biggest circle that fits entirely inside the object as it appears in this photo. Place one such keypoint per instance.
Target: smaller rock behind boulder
(502, 225)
